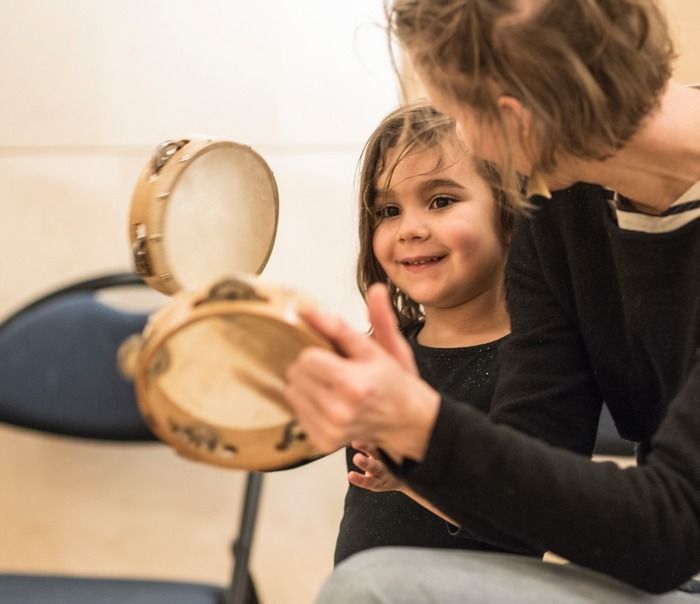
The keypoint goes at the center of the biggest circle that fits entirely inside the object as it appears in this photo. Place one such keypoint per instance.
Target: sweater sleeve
(640, 525)
(523, 474)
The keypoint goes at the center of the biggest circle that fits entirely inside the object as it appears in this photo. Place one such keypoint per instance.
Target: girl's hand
(371, 393)
(376, 475)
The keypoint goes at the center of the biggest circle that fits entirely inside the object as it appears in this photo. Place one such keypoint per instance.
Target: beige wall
(684, 16)
(88, 89)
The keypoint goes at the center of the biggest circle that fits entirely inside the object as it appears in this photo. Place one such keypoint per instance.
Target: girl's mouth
(420, 263)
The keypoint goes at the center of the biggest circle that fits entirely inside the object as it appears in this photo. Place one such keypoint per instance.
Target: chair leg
(242, 589)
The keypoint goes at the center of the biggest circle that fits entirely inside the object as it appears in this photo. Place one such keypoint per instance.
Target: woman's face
(437, 237)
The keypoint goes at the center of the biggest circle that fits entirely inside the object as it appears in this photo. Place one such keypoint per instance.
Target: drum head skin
(202, 209)
(211, 372)
(210, 367)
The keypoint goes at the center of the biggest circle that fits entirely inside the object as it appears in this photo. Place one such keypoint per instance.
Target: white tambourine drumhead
(210, 373)
(202, 209)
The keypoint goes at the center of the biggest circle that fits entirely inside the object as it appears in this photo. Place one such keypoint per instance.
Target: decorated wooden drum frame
(209, 367)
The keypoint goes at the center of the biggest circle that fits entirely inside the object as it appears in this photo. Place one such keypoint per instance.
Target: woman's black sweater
(600, 314)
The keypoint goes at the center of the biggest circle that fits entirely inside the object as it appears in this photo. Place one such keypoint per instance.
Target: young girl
(434, 226)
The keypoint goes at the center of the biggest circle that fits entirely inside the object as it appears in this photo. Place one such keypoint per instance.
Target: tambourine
(209, 372)
(201, 209)
(210, 366)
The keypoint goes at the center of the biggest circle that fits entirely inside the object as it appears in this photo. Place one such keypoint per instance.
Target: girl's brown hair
(411, 129)
(589, 71)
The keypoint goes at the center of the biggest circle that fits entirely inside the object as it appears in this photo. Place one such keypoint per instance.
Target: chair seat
(55, 589)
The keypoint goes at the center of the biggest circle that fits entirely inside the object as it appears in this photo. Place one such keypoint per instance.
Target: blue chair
(59, 374)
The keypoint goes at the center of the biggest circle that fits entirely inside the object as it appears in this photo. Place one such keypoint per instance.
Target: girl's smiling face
(436, 234)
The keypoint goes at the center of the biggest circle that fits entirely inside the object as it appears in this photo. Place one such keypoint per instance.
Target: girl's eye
(387, 211)
(441, 202)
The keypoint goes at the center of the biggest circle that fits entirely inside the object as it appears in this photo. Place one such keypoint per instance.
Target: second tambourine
(209, 372)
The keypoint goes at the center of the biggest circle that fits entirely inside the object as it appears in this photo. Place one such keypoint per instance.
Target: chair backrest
(59, 369)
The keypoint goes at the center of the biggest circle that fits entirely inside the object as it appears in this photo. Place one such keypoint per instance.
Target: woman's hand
(371, 393)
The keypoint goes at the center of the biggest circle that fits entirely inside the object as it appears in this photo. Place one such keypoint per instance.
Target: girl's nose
(412, 226)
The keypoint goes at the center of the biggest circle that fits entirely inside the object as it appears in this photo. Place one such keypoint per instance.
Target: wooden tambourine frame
(149, 205)
(231, 326)
(176, 418)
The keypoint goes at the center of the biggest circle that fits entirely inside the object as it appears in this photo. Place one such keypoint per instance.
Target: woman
(604, 291)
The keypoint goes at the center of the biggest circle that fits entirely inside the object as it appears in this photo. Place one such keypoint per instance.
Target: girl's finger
(370, 465)
(376, 468)
(364, 447)
(361, 461)
(359, 480)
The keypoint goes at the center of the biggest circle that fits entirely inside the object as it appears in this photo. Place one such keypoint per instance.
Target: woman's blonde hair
(411, 129)
(589, 71)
